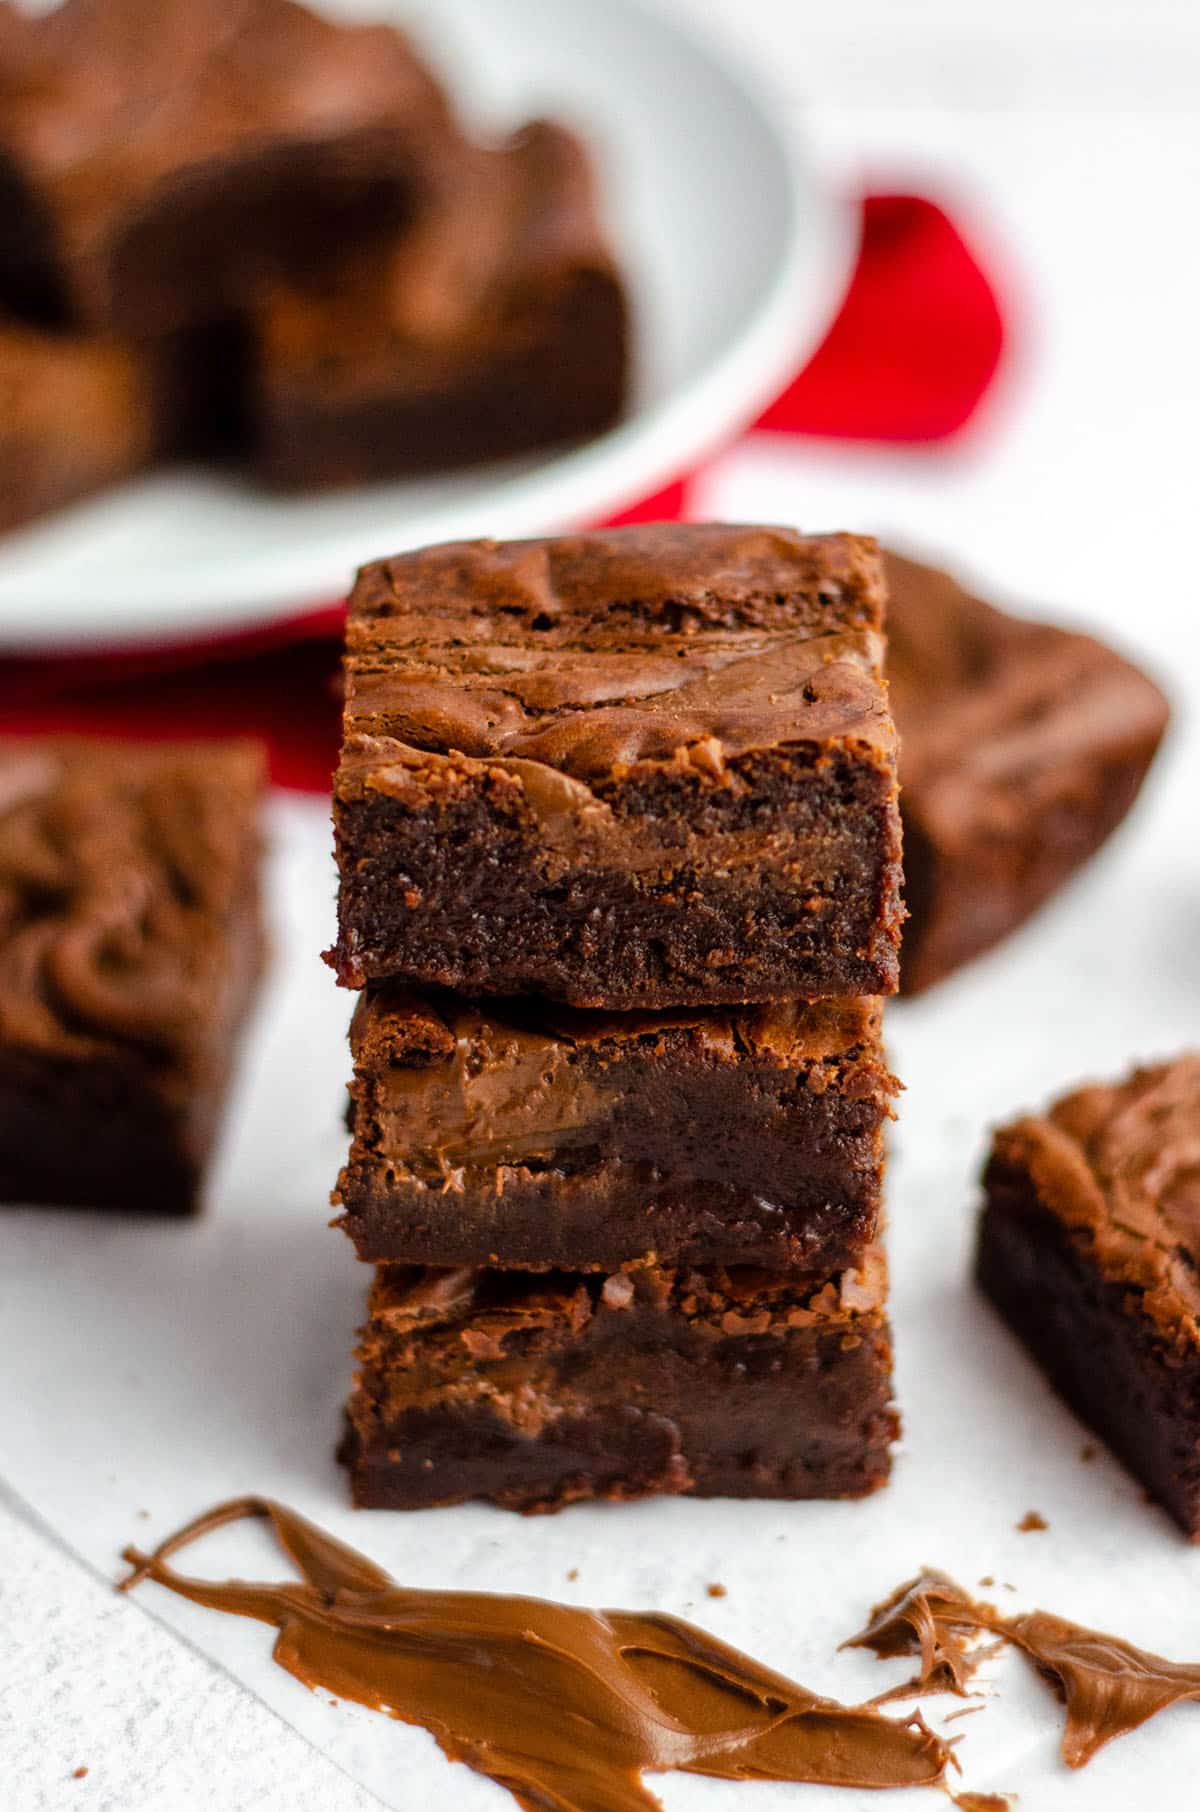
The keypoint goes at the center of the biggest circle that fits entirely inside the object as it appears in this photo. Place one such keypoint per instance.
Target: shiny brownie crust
(130, 944)
(1024, 746)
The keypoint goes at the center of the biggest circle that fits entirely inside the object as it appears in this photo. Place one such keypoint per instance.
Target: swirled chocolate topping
(120, 869)
(564, 1706)
(705, 643)
(1121, 1163)
(1109, 1687)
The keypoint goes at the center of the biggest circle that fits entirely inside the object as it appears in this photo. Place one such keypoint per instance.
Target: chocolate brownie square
(537, 1137)
(1090, 1248)
(1022, 748)
(161, 159)
(130, 943)
(646, 767)
(495, 325)
(75, 415)
(534, 1390)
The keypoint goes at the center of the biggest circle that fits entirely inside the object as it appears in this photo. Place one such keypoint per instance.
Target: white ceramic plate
(738, 255)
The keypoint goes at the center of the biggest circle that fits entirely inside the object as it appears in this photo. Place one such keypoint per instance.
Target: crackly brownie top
(120, 868)
(491, 1314)
(1119, 1165)
(983, 701)
(586, 654)
(504, 230)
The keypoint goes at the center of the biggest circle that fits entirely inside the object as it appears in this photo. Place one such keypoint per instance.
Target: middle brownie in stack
(633, 794)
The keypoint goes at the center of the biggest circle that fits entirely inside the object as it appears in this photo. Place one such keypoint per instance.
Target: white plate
(738, 256)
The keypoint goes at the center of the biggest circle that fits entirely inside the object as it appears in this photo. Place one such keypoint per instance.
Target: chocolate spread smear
(1108, 1686)
(564, 1706)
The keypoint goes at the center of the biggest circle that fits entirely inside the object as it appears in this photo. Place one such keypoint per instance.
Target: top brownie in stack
(648, 767)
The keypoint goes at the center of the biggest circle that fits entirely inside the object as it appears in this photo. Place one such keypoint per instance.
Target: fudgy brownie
(543, 1137)
(648, 767)
(74, 415)
(1090, 1248)
(1022, 748)
(130, 942)
(160, 159)
(494, 325)
(534, 1390)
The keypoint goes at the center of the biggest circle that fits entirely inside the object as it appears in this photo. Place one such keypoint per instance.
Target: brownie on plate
(645, 767)
(75, 415)
(1023, 747)
(539, 1137)
(496, 324)
(161, 159)
(130, 943)
(1090, 1248)
(537, 1389)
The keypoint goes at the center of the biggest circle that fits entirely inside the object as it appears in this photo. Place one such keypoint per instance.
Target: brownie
(161, 159)
(494, 326)
(130, 943)
(1023, 747)
(1090, 1248)
(537, 1389)
(539, 1137)
(75, 415)
(646, 767)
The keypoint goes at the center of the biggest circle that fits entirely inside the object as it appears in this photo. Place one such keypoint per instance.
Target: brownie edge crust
(1089, 1246)
(537, 1390)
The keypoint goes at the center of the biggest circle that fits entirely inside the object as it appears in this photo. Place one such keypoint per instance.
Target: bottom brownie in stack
(535, 1389)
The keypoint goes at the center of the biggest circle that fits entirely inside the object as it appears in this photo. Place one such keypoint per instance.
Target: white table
(1069, 135)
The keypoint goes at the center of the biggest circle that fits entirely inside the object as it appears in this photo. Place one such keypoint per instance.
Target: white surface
(737, 256)
(1082, 496)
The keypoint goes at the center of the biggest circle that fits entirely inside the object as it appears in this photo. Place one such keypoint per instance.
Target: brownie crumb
(573, 1573)
(716, 1589)
(1032, 1519)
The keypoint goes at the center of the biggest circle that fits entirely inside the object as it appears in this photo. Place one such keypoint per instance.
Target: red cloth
(917, 340)
(913, 350)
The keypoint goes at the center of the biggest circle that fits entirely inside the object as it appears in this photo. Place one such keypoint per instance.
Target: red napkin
(909, 357)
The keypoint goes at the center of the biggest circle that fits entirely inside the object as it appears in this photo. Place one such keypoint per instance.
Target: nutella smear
(564, 1706)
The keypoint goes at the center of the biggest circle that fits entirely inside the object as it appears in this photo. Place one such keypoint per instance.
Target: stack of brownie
(240, 228)
(619, 854)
